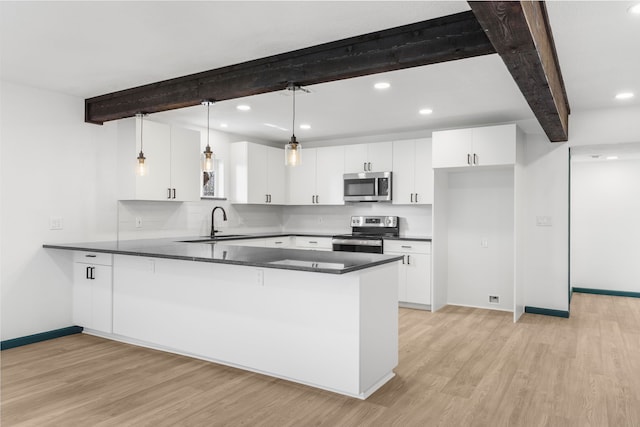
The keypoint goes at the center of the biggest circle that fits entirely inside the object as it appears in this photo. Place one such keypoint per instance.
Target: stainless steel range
(367, 234)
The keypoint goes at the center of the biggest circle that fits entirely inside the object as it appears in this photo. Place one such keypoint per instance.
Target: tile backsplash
(175, 219)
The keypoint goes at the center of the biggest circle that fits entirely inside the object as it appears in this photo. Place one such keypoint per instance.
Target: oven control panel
(374, 221)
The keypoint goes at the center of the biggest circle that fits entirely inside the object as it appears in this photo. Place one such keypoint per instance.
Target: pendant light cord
(293, 124)
(208, 115)
(141, 127)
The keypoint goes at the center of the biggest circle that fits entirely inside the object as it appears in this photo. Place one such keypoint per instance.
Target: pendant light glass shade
(207, 155)
(293, 150)
(292, 153)
(141, 166)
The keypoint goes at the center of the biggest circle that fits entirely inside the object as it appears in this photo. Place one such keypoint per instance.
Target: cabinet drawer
(93, 258)
(278, 242)
(320, 243)
(407, 246)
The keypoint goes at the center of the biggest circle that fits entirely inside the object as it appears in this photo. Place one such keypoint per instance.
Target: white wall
(546, 259)
(605, 224)
(53, 165)
(480, 208)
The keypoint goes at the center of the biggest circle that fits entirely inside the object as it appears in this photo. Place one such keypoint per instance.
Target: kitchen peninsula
(324, 319)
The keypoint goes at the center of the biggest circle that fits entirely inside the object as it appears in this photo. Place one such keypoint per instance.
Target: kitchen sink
(214, 239)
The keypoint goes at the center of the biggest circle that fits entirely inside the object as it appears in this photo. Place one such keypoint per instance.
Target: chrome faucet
(224, 218)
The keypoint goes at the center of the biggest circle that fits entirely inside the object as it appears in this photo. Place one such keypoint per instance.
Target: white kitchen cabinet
(259, 243)
(319, 179)
(412, 172)
(92, 291)
(374, 157)
(414, 284)
(172, 158)
(279, 242)
(313, 243)
(257, 174)
(485, 146)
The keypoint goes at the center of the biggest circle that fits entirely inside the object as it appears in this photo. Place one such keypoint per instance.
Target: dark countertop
(286, 234)
(218, 252)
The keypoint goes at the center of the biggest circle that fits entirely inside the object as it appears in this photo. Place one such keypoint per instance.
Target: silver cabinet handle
(277, 243)
(411, 197)
(269, 196)
(469, 159)
(364, 166)
(475, 159)
(408, 259)
(317, 199)
(402, 259)
(406, 247)
(313, 242)
(266, 198)
(416, 197)
(369, 166)
(174, 193)
(168, 193)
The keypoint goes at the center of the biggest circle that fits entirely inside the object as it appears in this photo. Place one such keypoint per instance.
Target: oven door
(373, 246)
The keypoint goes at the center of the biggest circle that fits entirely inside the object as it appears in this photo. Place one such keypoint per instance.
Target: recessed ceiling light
(305, 126)
(382, 85)
(425, 111)
(635, 9)
(243, 107)
(625, 95)
(223, 125)
(612, 157)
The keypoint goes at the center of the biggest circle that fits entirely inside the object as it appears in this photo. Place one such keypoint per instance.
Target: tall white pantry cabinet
(477, 218)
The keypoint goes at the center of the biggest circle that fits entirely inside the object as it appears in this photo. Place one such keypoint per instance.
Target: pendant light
(141, 167)
(207, 155)
(292, 151)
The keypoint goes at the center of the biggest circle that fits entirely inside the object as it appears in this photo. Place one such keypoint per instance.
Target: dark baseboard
(546, 311)
(43, 336)
(607, 292)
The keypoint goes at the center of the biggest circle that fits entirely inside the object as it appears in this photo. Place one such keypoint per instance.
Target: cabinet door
(495, 145)
(451, 148)
(423, 174)
(329, 175)
(402, 276)
(157, 151)
(101, 299)
(380, 156)
(278, 242)
(418, 268)
(257, 170)
(355, 158)
(81, 295)
(92, 296)
(276, 176)
(185, 164)
(302, 179)
(404, 172)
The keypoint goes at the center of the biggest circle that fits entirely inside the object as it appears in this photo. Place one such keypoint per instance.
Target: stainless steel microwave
(367, 187)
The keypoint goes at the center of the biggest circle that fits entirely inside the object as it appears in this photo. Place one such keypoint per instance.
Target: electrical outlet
(56, 223)
(484, 243)
(138, 222)
(543, 221)
(494, 299)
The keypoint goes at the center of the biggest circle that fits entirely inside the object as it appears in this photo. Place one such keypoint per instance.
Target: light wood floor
(458, 367)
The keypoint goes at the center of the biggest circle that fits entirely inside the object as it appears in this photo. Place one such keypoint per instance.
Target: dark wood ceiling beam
(521, 34)
(442, 39)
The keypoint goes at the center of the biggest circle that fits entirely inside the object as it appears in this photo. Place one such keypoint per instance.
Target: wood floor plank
(460, 366)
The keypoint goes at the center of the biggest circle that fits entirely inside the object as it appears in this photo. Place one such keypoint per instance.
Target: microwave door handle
(376, 186)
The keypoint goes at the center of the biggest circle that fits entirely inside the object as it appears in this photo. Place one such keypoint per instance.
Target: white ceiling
(91, 48)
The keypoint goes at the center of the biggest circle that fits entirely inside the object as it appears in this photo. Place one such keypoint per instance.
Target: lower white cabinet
(278, 242)
(314, 243)
(92, 291)
(414, 284)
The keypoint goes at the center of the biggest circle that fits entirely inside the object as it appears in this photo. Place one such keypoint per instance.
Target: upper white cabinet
(318, 180)
(412, 172)
(374, 157)
(172, 158)
(257, 174)
(485, 146)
